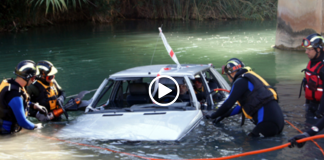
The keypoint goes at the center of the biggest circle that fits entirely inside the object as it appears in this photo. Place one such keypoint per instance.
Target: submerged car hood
(133, 126)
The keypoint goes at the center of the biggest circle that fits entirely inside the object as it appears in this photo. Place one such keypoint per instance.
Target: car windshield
(134, 92)
(130, 93)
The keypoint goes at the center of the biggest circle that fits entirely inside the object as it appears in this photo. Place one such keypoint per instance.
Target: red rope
(92, 146)
(262, 150)
(221, 89)
(302, 132)
(220, 158)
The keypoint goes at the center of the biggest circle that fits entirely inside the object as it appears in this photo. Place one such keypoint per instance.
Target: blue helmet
(232, 65)
(313, 41)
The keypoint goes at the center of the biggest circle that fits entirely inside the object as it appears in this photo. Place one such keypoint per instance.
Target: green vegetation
(18, 15)
(204, 9)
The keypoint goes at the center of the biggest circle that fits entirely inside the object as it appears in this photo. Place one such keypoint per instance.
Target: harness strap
(243, 118)
(302, 85)
(52, 98)
(310, 72)
(319, 66)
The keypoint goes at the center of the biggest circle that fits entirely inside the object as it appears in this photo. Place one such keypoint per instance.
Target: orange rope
(92, 146)
(221, 89)
(302, 132)
(262, 150)
(220, 158)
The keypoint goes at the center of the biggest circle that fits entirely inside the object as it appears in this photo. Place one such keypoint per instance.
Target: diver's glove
(40, 108)
(318, 114)
(218, 119)
(42, 117)
(293, 140)
(208, 116)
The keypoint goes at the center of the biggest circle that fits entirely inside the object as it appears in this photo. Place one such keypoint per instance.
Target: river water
(85, 54)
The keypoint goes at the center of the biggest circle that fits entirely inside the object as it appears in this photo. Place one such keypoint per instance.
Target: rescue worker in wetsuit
(314, 77)
(255, 99)
(314, 74)
(47, 92)
(14, 100)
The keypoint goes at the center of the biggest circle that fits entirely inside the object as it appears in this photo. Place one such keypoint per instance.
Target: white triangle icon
(163, 90)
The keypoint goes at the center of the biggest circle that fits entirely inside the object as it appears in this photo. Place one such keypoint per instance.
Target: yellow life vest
(51, 95)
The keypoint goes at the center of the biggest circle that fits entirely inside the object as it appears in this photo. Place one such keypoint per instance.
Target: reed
(18, 14)
(199, 9)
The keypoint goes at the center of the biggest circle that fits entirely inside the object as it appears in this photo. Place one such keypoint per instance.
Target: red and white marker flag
(171, 54)
(169, 49)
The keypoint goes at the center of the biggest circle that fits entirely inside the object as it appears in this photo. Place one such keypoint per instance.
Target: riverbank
(20, 15)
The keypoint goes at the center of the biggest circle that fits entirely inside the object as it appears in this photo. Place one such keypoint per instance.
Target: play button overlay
(163, 90)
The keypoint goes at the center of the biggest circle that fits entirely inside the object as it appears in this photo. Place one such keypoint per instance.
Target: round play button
(163, 90)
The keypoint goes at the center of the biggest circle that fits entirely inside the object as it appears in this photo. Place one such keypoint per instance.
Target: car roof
(189, 70)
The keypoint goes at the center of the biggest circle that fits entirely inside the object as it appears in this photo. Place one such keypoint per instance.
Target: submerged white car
(121, 108)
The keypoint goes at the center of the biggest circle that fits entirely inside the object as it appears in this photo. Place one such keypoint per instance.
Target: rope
(220, 158)
(91, 146)
(302, 132)
(221, 89)
(263, 150)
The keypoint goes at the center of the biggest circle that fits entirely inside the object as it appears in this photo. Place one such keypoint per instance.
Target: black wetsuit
(13, 109)
(315, 105)
(319, 125)
(269, 119)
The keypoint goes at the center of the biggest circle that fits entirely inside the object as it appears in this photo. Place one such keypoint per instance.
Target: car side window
(199, 87)
(184, 94)
(211, 80)
(105, 94)
(119, 95)
(204, 84)
(214, 84)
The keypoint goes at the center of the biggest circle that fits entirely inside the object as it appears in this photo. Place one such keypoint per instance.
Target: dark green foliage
(12, 14)
(19, 14)
(200, 9)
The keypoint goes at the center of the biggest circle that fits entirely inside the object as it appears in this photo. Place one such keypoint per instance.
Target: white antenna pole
(169, 49)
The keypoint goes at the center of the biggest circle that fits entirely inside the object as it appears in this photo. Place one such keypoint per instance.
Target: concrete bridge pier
(297, 19)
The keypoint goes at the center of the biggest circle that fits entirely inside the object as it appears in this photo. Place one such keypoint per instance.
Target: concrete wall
(297, 19)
